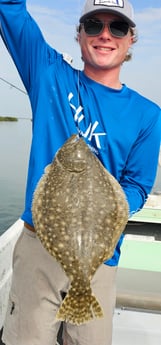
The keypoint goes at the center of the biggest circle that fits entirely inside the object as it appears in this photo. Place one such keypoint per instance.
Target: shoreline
(8, 118)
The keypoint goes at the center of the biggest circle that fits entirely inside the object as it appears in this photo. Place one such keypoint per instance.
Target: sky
(58, 20)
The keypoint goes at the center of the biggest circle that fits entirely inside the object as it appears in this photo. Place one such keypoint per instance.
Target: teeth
(103, 48)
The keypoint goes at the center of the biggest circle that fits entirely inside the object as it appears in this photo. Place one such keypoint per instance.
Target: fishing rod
(12, 85)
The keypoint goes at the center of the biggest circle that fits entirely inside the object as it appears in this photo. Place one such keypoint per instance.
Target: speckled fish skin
(79, 212)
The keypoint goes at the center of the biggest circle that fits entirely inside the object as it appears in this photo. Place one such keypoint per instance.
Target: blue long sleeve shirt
(122, 127)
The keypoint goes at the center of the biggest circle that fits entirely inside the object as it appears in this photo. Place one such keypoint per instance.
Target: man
(121, 126)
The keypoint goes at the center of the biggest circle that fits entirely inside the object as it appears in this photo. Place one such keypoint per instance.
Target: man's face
(104, 51)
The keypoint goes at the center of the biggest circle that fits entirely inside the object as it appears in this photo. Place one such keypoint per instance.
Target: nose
(105, 33)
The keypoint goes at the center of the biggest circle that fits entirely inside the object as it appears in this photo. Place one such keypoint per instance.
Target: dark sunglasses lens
(92, 27)
(119, 29)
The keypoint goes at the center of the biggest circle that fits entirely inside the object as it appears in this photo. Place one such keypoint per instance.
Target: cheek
(84, 46)
(124, 47)
(125, 44)
(84, 41)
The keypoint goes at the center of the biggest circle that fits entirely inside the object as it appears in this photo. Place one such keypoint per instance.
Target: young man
(121, 126)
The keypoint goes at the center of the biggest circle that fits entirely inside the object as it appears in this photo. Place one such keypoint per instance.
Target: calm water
(15, 140)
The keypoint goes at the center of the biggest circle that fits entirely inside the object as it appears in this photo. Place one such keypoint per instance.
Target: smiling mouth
(104, 49)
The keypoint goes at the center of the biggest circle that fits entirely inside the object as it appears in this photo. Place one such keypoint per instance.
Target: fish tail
(96, 308)
(79, 308)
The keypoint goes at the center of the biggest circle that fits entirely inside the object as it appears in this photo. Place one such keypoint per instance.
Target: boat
(137, 316)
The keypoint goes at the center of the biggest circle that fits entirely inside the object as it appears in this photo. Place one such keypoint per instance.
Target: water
(15, 138)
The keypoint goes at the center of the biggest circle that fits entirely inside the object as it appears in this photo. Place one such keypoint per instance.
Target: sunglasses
(94, 27)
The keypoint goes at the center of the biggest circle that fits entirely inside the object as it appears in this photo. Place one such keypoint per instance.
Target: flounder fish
(79, 212)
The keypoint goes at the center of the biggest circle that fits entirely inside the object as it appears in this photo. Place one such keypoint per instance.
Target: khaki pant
(36, 294)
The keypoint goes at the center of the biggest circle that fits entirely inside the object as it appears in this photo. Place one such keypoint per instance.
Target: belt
(29, 227)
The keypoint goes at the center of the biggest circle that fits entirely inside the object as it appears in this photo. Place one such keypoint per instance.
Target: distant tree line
(8, 118)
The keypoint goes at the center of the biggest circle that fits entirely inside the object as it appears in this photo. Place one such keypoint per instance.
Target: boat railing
(7, 243)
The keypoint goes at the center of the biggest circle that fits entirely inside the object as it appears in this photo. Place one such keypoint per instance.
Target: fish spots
(79, 212)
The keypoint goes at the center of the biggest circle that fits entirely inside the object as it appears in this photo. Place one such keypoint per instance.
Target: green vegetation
(8, 118)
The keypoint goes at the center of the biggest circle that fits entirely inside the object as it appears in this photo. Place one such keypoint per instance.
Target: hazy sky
(58, 21)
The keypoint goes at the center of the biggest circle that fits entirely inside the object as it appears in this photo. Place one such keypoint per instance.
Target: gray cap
(121, 8)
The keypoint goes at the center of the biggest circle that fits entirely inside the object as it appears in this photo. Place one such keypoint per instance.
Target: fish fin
(47, 168)
(79, 309)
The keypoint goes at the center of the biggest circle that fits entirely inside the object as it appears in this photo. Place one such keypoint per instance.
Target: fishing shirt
(121, 127)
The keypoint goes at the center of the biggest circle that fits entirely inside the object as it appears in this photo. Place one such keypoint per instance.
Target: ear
(131, 41)
(78, 37)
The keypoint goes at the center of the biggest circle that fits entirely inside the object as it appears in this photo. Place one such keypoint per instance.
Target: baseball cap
(122, 8)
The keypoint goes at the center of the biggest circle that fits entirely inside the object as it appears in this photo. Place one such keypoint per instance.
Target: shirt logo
(114, 3)
(91, 132)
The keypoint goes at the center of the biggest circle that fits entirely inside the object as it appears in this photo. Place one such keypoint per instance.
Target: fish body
(79, 212)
